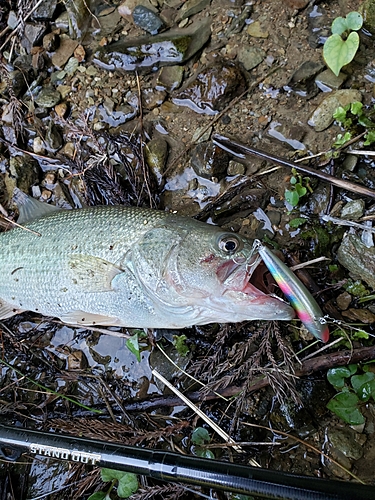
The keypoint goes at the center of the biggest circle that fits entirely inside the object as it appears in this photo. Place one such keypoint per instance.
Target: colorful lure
(301, 299)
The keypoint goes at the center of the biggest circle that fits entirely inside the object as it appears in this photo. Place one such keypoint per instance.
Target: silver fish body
(130, 267)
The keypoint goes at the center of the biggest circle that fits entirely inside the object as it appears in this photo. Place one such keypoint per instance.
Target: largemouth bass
(131, 267)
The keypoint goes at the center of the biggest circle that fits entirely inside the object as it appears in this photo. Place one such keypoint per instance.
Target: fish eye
(229, 243)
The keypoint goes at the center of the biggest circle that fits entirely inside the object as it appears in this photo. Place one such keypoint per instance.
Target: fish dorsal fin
(92, 274)
(7, 310)
(30, 208)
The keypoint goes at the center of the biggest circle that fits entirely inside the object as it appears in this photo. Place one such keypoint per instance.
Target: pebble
(328, 81)
(235, 168)
(353, 210)
(170, 77)
(251, 57)
(344, 300)
(147, 20)
(51, 42)
(48, 97)
(255, 30)
(322, 117)
(61, 109)
(357, 258)
(209, 161)
(38, 146)
(64, 52)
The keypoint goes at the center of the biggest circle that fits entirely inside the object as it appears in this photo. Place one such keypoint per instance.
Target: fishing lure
(303, 302)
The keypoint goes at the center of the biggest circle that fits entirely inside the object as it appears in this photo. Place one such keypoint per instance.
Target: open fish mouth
(249, 276)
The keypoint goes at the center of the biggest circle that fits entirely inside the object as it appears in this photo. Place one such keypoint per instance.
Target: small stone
(350, 162)
(147, 20)
(51, 41)
(64, 52)
(353, 210)
(255, 30)
(12, 20)
(80, 53)
(236, 168)
(208, 160)
(344, 300)
(322, 117)
(156, 153)
(357, 258)
(170, 77)
(200, 136)
(64, 90)
(48, 97)
(71, 66)
(61, 109)
(45, 10)
(251, 57)
(38, 146)
(328, 81)
(33, 33)
(152, 98)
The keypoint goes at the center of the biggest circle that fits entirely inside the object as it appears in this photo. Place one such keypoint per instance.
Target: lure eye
(229, 244)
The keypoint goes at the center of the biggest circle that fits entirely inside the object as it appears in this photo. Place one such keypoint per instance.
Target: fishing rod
(241, 150)
(167, 466)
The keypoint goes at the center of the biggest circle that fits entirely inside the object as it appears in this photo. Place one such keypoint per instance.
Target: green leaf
(365, 122)
(200, 436)
(292, 197)
(337, 376)
(342, 139)
(339, 25)
(301, 190)
(98, 495)
(108, 475)
(345, 406)
(358, 380)
(337, 52)
(203, 453)
(340, 114)
(356, 108)
(360, 334)
(366, 391)
(293, 180)
(298, 221)
(127, 485)
(370, 138)
(133, 346)
(180, 345)
(354, 21)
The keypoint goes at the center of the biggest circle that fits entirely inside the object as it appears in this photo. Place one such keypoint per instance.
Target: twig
(343, 222)
(324, 362)
(241, 151)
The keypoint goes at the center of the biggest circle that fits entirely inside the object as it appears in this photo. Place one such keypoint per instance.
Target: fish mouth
(254, 282)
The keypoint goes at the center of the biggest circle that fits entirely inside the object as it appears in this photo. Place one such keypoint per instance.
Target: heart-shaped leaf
(345, 406)
(337, 52)
(339, 25)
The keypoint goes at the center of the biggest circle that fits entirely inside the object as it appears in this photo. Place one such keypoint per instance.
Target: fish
(130, 267)
(301, 299)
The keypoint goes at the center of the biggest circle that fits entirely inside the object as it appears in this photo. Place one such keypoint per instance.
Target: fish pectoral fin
(82, 318)
(92, 274)
(8, 310)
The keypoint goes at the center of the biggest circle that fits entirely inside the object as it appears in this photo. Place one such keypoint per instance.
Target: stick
(240, 150)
